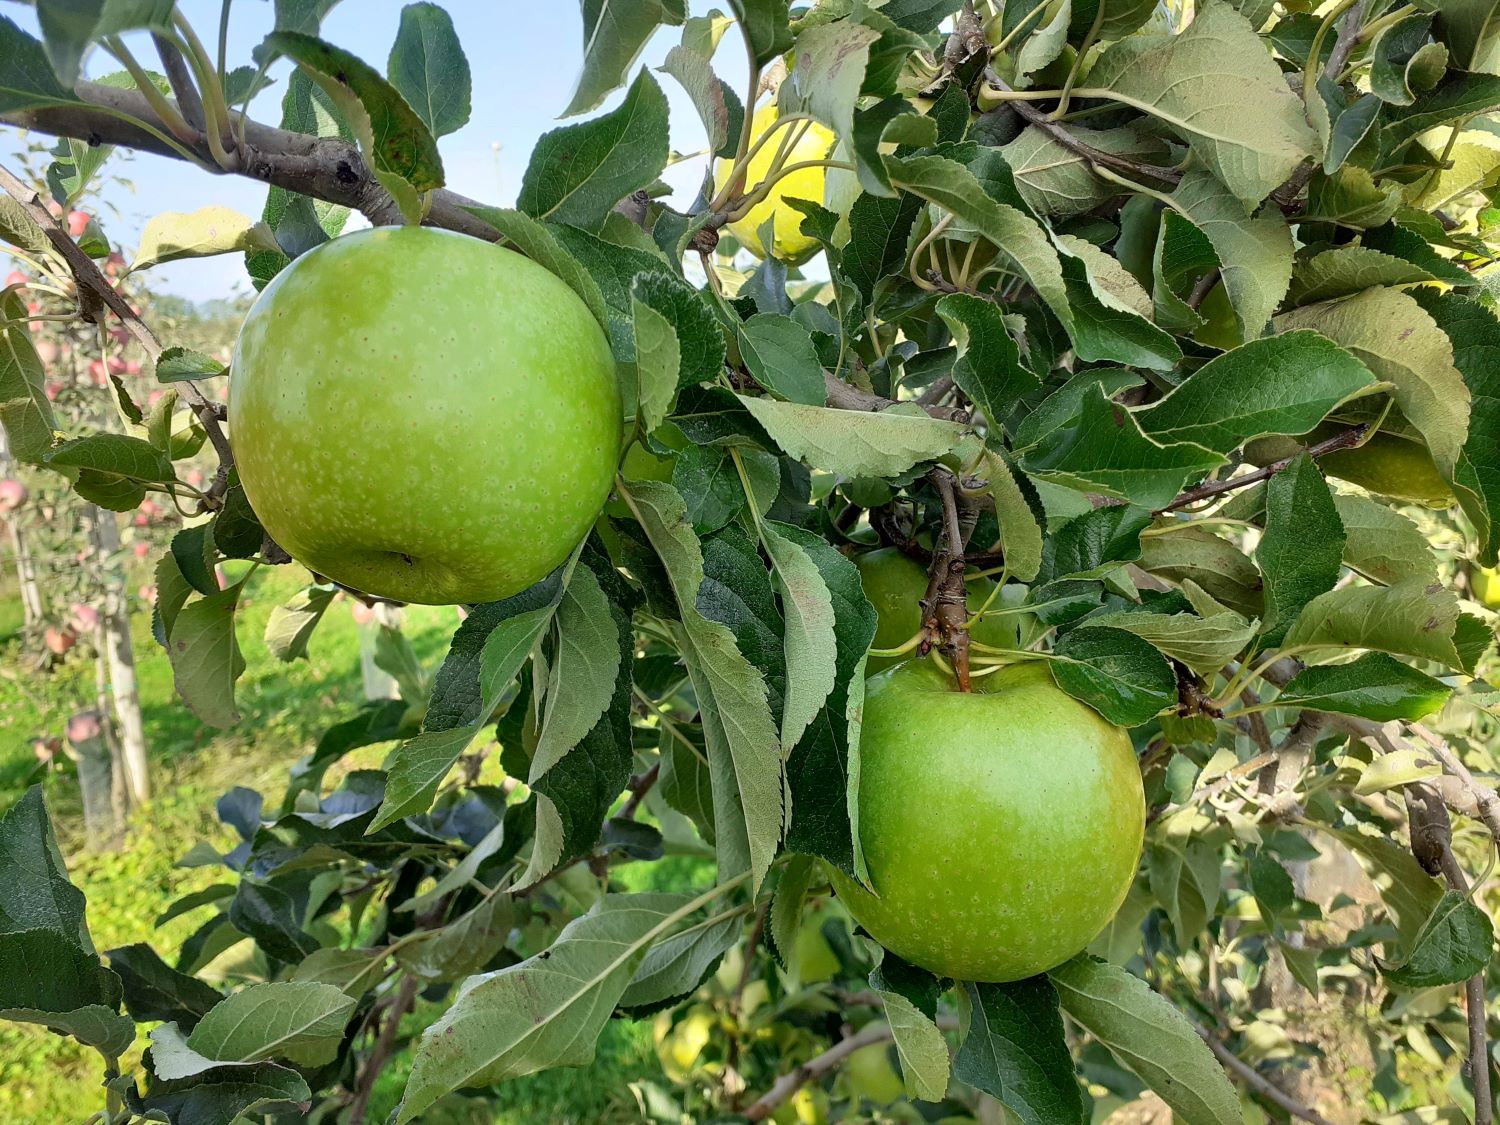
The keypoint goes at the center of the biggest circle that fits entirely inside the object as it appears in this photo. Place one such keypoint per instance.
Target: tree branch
(1345, 440)
(639, 786)
(384, 1045)
(326, 168)
(1257, 1082)
(846, 396)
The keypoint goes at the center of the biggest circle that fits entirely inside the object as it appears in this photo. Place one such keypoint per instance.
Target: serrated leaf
(765, 26)
(1410, 618)
(718, 108)
(548, 1010)
(1346, 270)
(1204, 644)
(395, 141)
(1106, 451)
(297, 1021)
(1453, 944)
(780, 355)
(920, 1046)
(1015, 1052)
(1217, 87)
(829, 71)
(1057, 181)
(1381, 543)
(1375, 686)
(94, 1025)
(205, 656)
(174, 235)
(291, 624)
(855, 443)
(35, 891)
(428, 68)
(784, 919)
(678, 965)
(1302, 549)
(1402, 345)
(810, 640)
(658, 360)
(1020, 529)
(1150, 1036)
(26, 77)
(25, 409)
(115, 456)
(579, 172)
(1276, 385)
(1124, 678)
(989, 368)
(222, 1095)
(743, 750)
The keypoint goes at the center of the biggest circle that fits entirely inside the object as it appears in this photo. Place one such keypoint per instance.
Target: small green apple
(424, 416)
(896, 584)
(869, 1075)
(813, 143)
(1002, 828)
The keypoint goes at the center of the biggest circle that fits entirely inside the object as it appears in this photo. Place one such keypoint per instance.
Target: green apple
(895, 586)
(868, 1075)
(813, 143)
(1486, 583)
(1002, 828)
(1387, 464)
(424, 416)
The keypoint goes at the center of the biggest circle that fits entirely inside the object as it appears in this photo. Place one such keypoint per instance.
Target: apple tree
(1121, 380)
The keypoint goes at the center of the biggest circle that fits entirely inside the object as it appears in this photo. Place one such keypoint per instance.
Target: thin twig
(181, 80)
(384, 1045)
(1258, 1083)
(639, 786)
(1345, 440)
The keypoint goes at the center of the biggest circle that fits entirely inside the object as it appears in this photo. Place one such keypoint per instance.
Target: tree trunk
(117, 651)
(31, 593)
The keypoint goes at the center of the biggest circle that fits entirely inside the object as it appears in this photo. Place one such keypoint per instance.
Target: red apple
(362, 613)
(98, 372)
(78, 222)
(47, 351)
(83, 727)
(83, 618)
(141, 550)
(119, 335)
(16, 277)
(147, 594)
(45, 749)
(12, 495)
(114, 265)
(132, 368)
(58, 641)
(116, 365)
(53, 390)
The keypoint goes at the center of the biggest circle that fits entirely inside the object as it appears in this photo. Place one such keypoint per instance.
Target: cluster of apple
(980, 813)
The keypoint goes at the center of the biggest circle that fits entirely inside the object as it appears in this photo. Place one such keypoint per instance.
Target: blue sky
(525, 56)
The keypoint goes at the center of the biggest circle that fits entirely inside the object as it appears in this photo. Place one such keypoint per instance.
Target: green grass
(51, 1080)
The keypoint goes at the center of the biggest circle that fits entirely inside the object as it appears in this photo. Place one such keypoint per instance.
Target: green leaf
(1020, 527)
(43, 974)
(1110, 310)
(25, 410)
(1106, 451)
(1346, 270)
(1302, 548)
(1381, 543)
(1454, 944)
(1204, 644)
(68, 29)
(222, 1095)
(548, 1010)
(1018, 238)
(829, 71)
(676, 966)
(658, 358)
(920, 1045)
(297, 1021)
(1254, 251)
(1195, 554)
(1276, 385)
(26, 78)
(1475, 334)
(156, 991)
(1015, 1052)
(465, 945)
(291, 625)
(1215, 85)
(1401, 344)
(810, 640)
(1375, 686)
(1410, 894)
(1124, 678)
(614, 33)
(989, 368)
(921, 16)
(1459, 95)
(580, 687)
(1150, 1036)
(419, 765)
(745, 757)
(718, 108)
(855, 443)
(781, 357)
(764, 23)
(205, 656)
(1402, 57)
(395, 141)
(1058, 182)
(174, 235)
(35, 891)
(579, 172)
(428, 68)
(93, 1025)
(784, 919)
(1410, 618)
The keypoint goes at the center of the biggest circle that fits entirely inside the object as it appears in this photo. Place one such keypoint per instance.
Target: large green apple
(1002, 829)
(424, 416)
(896, 585)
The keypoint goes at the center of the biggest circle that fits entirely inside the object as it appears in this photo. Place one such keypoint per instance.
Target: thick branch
(1253, 1078)
(1345, 440)
(848, 397)
(326, 168)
